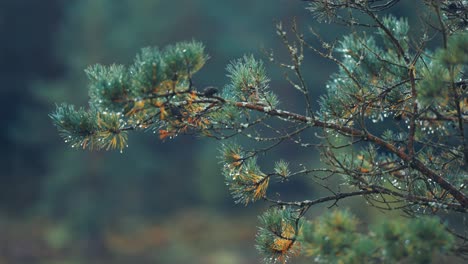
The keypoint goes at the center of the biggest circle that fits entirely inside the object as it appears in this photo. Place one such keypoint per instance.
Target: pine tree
(390, 128)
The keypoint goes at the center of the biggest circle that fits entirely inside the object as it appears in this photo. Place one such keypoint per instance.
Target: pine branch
(413, 162)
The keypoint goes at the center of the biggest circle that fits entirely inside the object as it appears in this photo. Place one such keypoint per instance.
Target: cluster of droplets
(231, 172)
(376, 118)
(122, 122)
(431, 129)
(277, 260)
(380, 116)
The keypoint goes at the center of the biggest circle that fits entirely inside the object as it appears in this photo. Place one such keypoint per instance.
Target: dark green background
(158, 202)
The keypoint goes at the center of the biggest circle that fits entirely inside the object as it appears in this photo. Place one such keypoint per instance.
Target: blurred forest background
(158, 202)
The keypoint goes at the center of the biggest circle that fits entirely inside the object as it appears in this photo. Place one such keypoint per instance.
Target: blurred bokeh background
(158, 202)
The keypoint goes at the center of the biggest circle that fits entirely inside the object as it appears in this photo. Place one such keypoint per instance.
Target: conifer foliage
(391, 128)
